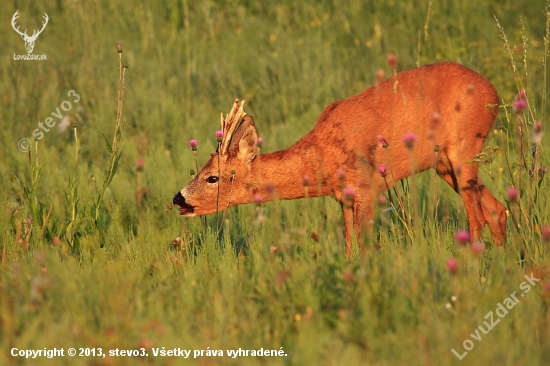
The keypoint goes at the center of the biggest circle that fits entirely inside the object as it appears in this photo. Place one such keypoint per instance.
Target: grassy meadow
(92, 257)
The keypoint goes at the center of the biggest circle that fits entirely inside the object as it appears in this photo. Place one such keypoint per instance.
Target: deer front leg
(347, 211)
(357, 216)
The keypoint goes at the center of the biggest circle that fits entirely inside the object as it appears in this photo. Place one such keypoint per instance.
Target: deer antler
(24, 34)
(230, 124)
(13, 20)
(35, 34)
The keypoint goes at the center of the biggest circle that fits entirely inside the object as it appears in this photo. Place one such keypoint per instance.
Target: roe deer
(444, 104)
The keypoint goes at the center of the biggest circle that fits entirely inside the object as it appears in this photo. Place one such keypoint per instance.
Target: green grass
(69, 280)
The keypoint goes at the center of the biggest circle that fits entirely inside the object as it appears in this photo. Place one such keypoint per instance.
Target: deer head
(29, 40)
(226, 178)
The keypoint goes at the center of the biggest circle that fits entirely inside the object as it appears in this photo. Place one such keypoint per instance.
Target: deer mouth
(184, 211)
(185, 208)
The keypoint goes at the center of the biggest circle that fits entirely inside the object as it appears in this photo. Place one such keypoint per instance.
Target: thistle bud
(260, 142)
(219, 136)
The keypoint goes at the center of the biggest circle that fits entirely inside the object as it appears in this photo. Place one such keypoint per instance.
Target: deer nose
(179, 200)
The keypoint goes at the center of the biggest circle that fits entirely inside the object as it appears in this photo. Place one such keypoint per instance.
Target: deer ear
(245, 139)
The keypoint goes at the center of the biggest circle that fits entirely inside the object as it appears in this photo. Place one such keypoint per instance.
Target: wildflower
(537, 133)
(392, 61)
(379, 76)
(382, 199)
(521, 94)
(270, 188)
(384, 143)
(260, 142)
(436, 119)
(542, 171)
(273, 249)
(349, 193)
(452, 265)
(545, 233)
(282, 276)
(193, 144)
(519, 105)
(409, 139)
(257, 198)
(436, 148)
(348, 275)
(119, 48)
(341, 174)
(219, 135)
(512, 194)
(477, 247)
(139, 164)
(65, 123)
(382, 170)
(462, 237)
(305, 180)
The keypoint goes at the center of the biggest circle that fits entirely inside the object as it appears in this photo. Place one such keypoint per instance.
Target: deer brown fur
(444, 104)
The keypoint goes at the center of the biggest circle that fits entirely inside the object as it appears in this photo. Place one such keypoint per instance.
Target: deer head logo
(29, 40)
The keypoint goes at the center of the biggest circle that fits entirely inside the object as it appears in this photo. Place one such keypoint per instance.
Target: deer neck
(281, 174)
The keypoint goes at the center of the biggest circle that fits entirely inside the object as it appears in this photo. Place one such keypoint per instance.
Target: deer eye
(212, 179)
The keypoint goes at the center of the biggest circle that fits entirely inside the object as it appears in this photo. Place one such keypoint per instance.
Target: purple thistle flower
(305, 180)
(257, 198)
(260, 142)
(349, 193)
(193, 143)
(521, 94)
(452, 265)
(436, 119)
(341, 174)
(512, 194)
(519, 105)
(477, 247)
(382, 170)
(537, 133)
(409, 139)
(462, 237)
(542, 171)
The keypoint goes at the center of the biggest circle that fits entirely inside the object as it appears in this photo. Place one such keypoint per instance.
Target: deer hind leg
(494, 213)
(466, 184)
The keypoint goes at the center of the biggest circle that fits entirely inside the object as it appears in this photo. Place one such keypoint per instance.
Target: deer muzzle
(185, 208)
